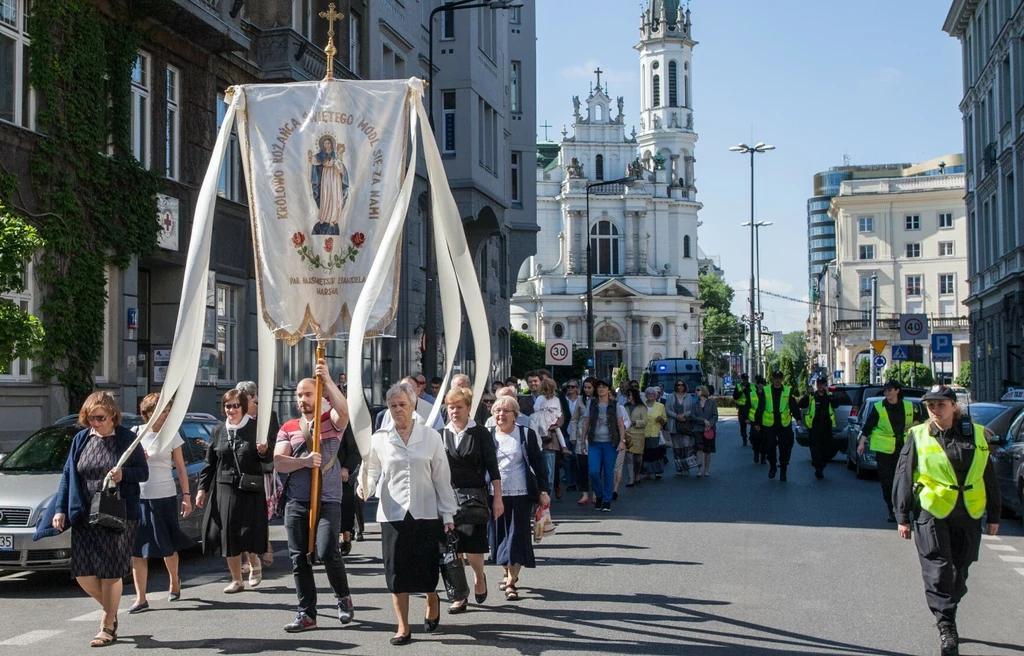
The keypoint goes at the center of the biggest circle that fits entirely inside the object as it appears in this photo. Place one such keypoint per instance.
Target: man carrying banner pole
(314, 535)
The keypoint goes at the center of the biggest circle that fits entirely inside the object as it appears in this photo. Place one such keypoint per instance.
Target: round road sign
(559, 353)
(879, 361)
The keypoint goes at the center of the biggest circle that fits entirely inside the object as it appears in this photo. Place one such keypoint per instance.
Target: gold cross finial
(331, 15)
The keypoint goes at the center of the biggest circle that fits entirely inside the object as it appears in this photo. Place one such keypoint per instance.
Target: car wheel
(861, 473)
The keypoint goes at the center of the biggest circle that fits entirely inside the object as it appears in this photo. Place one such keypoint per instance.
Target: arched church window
(686, 91)
(656, 85)
(599, 167)
(604, 244)
(672, 79)
(686, 246)
(559, 330)
(656, 331)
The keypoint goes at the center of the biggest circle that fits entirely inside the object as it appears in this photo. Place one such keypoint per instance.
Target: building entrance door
(606, 362)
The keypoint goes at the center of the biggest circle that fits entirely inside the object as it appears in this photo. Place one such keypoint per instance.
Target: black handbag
(473, 507)
(108, 510)
(245, 482)
(453, 571)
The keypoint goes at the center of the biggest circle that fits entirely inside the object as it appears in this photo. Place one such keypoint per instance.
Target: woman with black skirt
(409, 468)
(523, 475)
(232, 481)
(473, 462)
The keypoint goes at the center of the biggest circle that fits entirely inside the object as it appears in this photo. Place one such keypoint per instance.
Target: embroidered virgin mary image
(329, 182)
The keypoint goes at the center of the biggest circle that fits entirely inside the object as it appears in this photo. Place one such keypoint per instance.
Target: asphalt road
(732, 564)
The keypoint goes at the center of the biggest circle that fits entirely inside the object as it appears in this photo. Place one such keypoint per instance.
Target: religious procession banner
(329, 170)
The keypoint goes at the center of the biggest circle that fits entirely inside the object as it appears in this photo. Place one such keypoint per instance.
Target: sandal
(101, 641)
(511, 593)
(268, 559)
(504, 581)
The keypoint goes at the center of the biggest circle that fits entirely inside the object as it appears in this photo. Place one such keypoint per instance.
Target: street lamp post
(629, 180)
(760, 147)
(757, 240)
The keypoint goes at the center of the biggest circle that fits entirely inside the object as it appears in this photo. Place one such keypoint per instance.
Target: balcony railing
(935, 324)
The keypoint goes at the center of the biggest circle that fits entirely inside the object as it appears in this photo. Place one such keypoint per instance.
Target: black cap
(776, 374)
(744, 376)
(759, 380)
(893, 384)
(940, 393)
(601, 382)
(820, 381)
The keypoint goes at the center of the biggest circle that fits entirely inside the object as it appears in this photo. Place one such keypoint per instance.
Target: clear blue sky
(876, 79)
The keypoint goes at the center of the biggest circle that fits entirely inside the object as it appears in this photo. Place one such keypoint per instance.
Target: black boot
(948, 639)
(782, 473)
(771, 470)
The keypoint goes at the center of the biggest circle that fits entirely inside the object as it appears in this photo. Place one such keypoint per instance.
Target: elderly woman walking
(656, 420)
(524, 479)
(679, 409)
(409, 467)
(635, 435)
(160, 536)
(705, 427)
(100, 557)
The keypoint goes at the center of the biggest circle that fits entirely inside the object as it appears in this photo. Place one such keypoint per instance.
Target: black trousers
(351, 507)
(778, 438)
(820, 440)
(946, 549)
(744, 417)
(328, 551)
(886, 474)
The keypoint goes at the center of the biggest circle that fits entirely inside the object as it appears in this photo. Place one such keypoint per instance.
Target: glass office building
(821, 229)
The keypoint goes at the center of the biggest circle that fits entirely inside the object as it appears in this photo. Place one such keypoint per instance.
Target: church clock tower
(666, 139)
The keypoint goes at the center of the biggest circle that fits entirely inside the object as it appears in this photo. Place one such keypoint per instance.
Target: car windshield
(46, 450)
(985, 414)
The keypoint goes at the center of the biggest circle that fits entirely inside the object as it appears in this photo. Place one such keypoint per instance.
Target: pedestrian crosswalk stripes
(29, 638)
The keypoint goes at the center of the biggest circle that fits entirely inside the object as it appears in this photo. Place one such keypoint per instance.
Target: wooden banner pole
(314, 489)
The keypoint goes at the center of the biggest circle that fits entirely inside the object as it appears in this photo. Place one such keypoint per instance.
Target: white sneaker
(255, 576)
(234, 588)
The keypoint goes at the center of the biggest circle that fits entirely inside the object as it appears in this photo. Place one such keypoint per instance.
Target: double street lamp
(590, 266)
(755, 360)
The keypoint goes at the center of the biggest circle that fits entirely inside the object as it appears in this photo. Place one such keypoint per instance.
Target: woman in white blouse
(408, 466)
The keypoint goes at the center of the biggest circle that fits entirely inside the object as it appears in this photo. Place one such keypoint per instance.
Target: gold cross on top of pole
(331, 15)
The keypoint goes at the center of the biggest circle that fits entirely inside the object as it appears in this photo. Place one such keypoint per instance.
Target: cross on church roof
(599, 71)
(546, 126)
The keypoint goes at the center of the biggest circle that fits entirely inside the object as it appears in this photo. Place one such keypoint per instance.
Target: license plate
(6, 543)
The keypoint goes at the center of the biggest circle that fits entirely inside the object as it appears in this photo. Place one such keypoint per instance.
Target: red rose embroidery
(358, 239)
(298, 239)
(329, 244)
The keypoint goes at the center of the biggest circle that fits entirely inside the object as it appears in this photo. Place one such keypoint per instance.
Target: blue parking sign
(942, 347)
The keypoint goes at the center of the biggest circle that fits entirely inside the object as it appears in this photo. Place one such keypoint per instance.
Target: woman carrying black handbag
(473, 462)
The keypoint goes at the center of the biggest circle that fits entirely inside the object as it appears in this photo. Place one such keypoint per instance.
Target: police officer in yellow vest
(820, 418)
(945, 480)
(757, 400)
(775, 418)
(885, 426)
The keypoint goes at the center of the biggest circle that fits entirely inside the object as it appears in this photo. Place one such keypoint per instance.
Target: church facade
(632, 196)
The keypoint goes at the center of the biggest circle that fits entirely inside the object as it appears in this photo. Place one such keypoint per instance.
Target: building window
(946, 220)
(686, 246)
(141, 112)
(865, 286)
(865, 310)
(447, 24)
(173, 139)
(604, 244)
(302, 18)
(656, 330)
(487, 133)
(353, 43)
(229, 184)
(559, 330)
(913, 285)
(515, 94)
(672, 81)
(946, 284)
(599, 167)
(867, 252)
(515, 15)
(657, 91)
(516, 178)
(866, 224)
(945, 249)
(487, 32)
(448, 108)
(227, 335)
(17, 100)
(914, 250)
(20, 370)
(912, 222)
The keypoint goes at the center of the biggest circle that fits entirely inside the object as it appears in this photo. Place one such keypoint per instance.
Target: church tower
(667, 138)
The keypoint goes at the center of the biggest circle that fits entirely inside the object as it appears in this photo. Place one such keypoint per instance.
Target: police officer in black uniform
(945, 478)
(886, 435)
(754, 417)
(777, 432)
(742, 396)
(820, 418)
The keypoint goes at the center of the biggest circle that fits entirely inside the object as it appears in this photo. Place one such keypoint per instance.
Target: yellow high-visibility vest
(883, 438)
(939, 489)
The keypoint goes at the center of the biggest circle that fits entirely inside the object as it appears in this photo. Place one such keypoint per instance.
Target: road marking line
(991, 537)
(1020, 570)
(1013, 559)
(94, 616)
(15, 575)
(1000, 547)
(30, 637)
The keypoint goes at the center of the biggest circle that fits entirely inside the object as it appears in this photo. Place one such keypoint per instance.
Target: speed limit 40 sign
(913, 327)
(558, 352)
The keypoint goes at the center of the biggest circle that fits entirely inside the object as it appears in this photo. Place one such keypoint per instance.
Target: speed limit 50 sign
(558, 352)
(913, 327)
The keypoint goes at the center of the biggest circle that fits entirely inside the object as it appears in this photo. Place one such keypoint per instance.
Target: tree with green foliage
(910, 373)
(527, 353)
(21, 334)
(790, 373)
(863, 371)
(795, 346)
(722, 333)
(963, 378)
(621, 376)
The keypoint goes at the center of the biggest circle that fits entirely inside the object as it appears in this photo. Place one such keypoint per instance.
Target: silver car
(864, 463)
(30, 476)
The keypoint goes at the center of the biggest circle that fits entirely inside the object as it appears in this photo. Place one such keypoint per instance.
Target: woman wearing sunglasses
(231, 490)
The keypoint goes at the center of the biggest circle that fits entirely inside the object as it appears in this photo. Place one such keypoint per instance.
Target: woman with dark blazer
(524, 482)
(473, 463)
(100, 557)
(236, 519)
